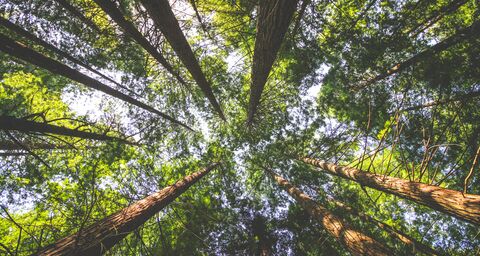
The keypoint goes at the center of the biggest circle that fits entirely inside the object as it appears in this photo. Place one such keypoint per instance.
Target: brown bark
(10, 145)
(22, 52)
(259, 230)
(406, 239)
(103, 235)
(356, 242)
(274, 17)
(9, 123)
(20, 31)
(462, 206)
(164, 18)
(65, 4)
(116, 15)
(463, 34)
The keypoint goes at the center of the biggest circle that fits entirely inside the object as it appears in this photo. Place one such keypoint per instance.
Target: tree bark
(356, 242)
(463, 34)
(10, 123)
(462, 206)
(103, 235)
(164, 18)
(65, 4)
(116, 15)
(259, 230)
(274, 17)
(10, 146)
(20, 31)
(22, 52)
(406, 239)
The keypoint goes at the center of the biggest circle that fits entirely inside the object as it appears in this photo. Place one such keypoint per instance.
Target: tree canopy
(240, 127)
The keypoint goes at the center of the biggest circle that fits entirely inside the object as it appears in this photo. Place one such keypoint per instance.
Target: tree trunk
(259, 230)
(101, 236)
(22, 52)
(406, 239)
(462, 206)
(463, 34)
(20, 31)
(463, 98)
(274, 17)
(65, 4)
(10, 146)
(9, 123)
(164, 18)
(436, 16)
(356, 242)
(116, 15)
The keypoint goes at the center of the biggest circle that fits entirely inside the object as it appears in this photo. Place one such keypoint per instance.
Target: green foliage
(311, 106)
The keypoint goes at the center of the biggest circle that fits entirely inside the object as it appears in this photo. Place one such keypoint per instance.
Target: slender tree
(10, 145)
(22, 32)
(411, 242)
(9, 123)
(436, 16)
(463, 34)
(462, 206)
(103, 235)
(355, 241)
(20, 51)
(129, 28)
(259, 230)
(164, 18)
(463, 98)
(274, 17)
(70, 8)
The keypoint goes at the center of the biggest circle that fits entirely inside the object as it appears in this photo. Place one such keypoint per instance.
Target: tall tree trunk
(462, 206)
(111, 9)
(409, 241)
(299, 18)
(436, 16)
(356, 242)
(259, 230)
(463, 98)
(69, 7)
(164, 18)
(9, 123)
(10, 145)
(20, 31)
(274, 17)
(103, 235)
(463, 34)
(22, 52)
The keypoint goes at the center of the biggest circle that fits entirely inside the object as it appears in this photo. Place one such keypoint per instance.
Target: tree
(20, 51)
(73, 10)
(101, 236)
(19, 30)
(356, 242)
(114, 13)
(462, 34)
(9, 123)
(455, 203)
(417, 130)
(164, 18)
(408, 240)
(273, 20)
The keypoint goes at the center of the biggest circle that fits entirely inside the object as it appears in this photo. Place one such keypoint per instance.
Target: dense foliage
(324, 98)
